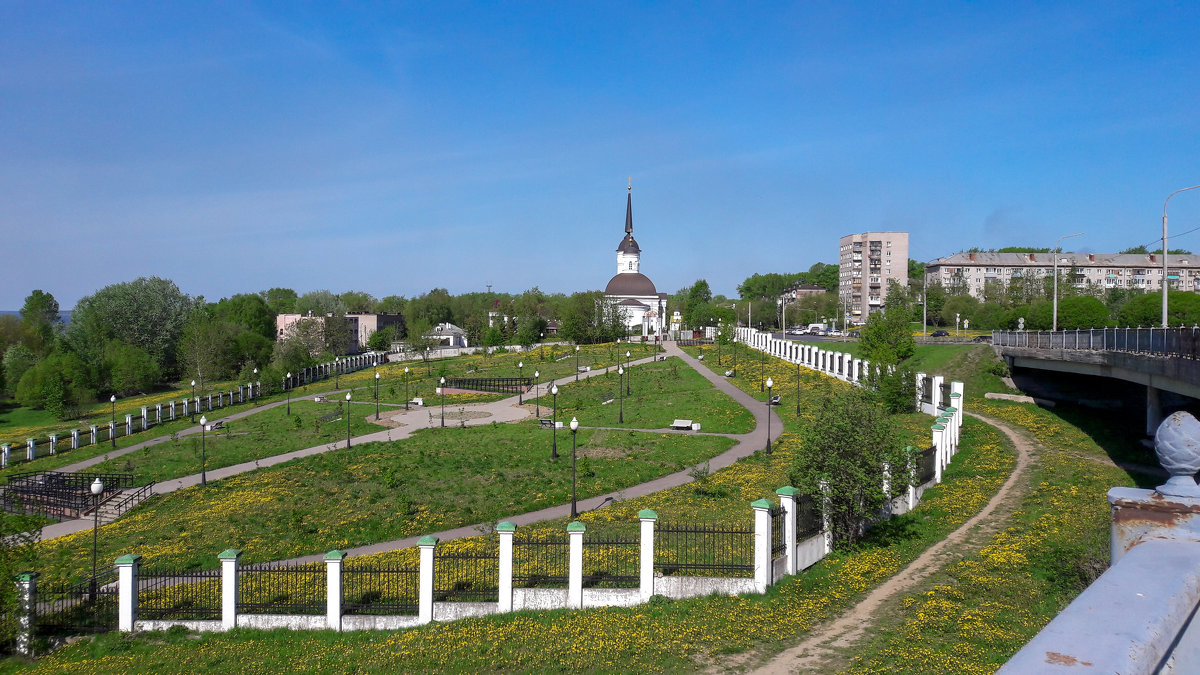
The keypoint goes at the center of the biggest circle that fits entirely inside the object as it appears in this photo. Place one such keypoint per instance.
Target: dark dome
(630, 283)
(629, 245)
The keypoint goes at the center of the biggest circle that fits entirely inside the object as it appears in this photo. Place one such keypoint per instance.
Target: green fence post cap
(427, 540)
(955, 394)
(647, 514)
(506, 526)
(28, 576)
(335, 555)
(129, 559)
(951, 409)
(787, 490)
(761, 504)
(230, 554)
(938, 427)
(576, 526)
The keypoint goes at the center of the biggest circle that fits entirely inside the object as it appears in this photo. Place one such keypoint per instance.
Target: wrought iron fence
(88, 606)
(945, 394)
(612, 561)
(467, 576)
(380, 590)
(495, 384)
(808, 517)
(270, 588)
(778, 538)
(705, 549)
(693, 343)
(926, 465)
(57, 493)
(541, 561)
(1181, 342)
(179, 594)
(927, 389)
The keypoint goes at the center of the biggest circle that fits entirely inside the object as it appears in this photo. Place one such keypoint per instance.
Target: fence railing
(495, 384)
(778, 535)
(808, 517)
(541, 561)
(179, 594)
(927, 465)
(467, 577)
(269, 588)
(88, 606)
(707, 549)
(379, 590)
(611, 561)
(1181, 342)
(59, 494)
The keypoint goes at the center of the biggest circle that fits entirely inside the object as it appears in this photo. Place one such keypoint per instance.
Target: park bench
(219, 424)
(774, 400)
(546, 422)
(663, 357)
(729, 373)
(584, 369)
(681, 424)
(418, 401)
(319, 399)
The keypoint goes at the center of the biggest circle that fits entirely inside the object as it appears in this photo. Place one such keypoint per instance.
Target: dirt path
(823, 650)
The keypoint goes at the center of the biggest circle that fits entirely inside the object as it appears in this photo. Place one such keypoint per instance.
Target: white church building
(631, 291)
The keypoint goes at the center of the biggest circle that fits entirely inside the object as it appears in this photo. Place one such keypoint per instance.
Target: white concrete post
(112, 430)
(506, 530)
(787, 500)
(854, 367)
(186, 403)
(920, 389)
(947, 438)
(173, 409)
(229, 587)
(127, 591)
(27, 613)
(911, 463)
(4, 451)
(937, 443)
(762, 545)
(427, 544)
(952, 428)
(74, 439)
(54, 444)
(145, 418)
(94, 433)
(128, 424)
(956, 400)
(936, 394)
(30, 448)
(333, 589)
(158, 413)
(646, 560)
(209, 403)
(241, 393)
(575, 576)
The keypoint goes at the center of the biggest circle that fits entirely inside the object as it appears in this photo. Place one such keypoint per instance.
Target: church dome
(630, 283)
(629, 245)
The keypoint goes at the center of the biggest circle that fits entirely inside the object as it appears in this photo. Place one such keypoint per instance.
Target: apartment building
(1139, 271)
(866, 262)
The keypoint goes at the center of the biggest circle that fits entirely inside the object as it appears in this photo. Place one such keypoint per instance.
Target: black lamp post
(554, 423)
(720, 336)
(406, 387)
(620, 394)
(627, 379)
(112, 430)
(203, 451)
(574, 430)
(537, 396)
(193, 400)
(287, 386)
(770, 385)
(443, 388)
(97, 488)
(347, 420)
(762, 367)
(576, 363)
(376, 395)
(797, 390)
(337, 373)
(734, 350)
(254, 394)
(521, 387)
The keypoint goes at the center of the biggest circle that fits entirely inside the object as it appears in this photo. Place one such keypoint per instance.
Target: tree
(887, 343)
(898, 300)
(280, 300)
(320, 303)
(204, 348)
(433, 308)
(249, 312)
(40, 316)
(1183, 309)
(843, 455)
(420, 340)
(1081, 312)
(358, 301)
(825, 275)
(991, 316)
(148, 313)
(959, 305)
(130, 370)
(17, 360)
(381, 340)
(391, 304)
(60, 383)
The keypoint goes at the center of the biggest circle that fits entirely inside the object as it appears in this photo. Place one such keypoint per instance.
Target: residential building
(866, 262)
(1138, 271)
(361, 324)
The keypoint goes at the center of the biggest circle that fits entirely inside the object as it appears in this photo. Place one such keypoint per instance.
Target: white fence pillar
(910, 454)
(74, 439)
(333, 589)
(937, 454)
(173, 409)
(936, 394)
(787, 500)
(127, 591)
(4, 455)
(128, 424)
(762, 545)
(26, 612)
(506, 530)
(94, 429)
(646, 560)
(53, 444)
(575, 576)
(158, 413)
(920, 387)
(30, 449)
(145, 418)
(186, 403)
(229, 587)
(427, 544)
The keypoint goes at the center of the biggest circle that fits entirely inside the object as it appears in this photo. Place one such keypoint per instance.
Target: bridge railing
(1181, 342)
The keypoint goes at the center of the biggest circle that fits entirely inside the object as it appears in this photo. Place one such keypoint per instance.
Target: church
(632, 292)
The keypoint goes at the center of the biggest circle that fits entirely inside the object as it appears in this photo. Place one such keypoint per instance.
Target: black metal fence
(541, 561)
(269, 588)
(1180, 342)
(57, 493)
(704, 549)
(778, 532)
(693, 343)
(88, 606)
(927, 389)
(501, 385)
(612, 561)
(945, 394)
(179, 594)
(926, 465)
(467, 576)
(380, 590)
(808, 517)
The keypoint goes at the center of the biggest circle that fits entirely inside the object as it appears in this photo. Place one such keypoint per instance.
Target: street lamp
(797, 389)
(406, 387)
(620, 377)
(287, 386)
(762, 368)
(193, 399)
(554, 422)
(1054, 317)
(537, 396)
(770, 385)
(627, 379)
(112, 430)
(97, 488)
(443, 388)
(337, 373)
(576, 363)
(521, 385)
(1164, 251)
(203, 451)
(376, 395)
(733, 348)
(574, 431)
(254, 394)
(347, 420)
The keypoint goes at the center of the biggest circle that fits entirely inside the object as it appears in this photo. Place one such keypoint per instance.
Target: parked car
(940, 333)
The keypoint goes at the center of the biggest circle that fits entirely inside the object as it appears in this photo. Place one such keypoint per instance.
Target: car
(940, 333)
(986, 339)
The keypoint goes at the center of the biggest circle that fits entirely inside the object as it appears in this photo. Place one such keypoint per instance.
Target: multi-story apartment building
(866, 262)
(360, 325)
(1139, 271)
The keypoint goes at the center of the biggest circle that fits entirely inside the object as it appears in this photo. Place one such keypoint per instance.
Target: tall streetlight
(627, 379)
(797, 389)
(112, 430)
(1054, 318)
(254, 394)
(347, 420)
(203, 451)
(576, 363)
(620, 396)
(1164, 251)
(762, 368)
(376, 395)
(193, 399)
(406, 387)
(287, 386)
(554, 423)
(574, 431)
(443, 388)
(521, 385)
(97, 488)
(536, 395)
(337, 373)
(770, 386)
(733, 348)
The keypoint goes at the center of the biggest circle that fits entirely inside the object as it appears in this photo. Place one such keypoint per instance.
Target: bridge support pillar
(1154, 410)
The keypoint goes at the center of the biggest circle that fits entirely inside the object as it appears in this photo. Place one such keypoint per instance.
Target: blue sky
(393, 148)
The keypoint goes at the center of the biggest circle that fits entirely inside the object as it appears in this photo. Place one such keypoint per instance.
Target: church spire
(629, 209)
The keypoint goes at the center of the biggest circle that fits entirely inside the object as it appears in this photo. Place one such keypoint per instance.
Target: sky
(393, 148)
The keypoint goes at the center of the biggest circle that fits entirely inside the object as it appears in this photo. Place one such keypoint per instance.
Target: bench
(418, 401)
(320, 399)
(729, 373)
(219, 424)
(663, 357)
(584, 369)
(774, 400)
(546, 422)
(684, 425)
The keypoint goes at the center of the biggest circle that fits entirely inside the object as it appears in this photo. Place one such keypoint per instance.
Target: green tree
(249, 312)
(1081, 312)
(843, 454)
(17, 360)
(148, 313)
(392, 304)
(60, 383)
(961, 305)
(280, 300)
(991, 316)
(359, 301)
(40, 316)
(381, 340)
(825, 275)
(129, 370)
(1183, 309)
(887, 343)
(320, 303)
(421, 341)
(433, 308)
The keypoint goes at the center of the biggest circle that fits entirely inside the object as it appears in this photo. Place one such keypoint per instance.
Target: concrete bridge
(1161, 359)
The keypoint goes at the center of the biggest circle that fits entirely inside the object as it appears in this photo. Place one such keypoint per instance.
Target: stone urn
(1177, 444)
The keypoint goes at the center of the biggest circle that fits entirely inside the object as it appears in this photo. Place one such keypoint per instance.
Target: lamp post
(1054, 316)
(537, 396)
(406, 387)
(193, 399)
(347, 420)
(762, 368)
(620, 392)
(376, 395)
(734, 350)
(337, 373)
(287, 386)
(97, 488)
(627, 379)
(112, 430)
(443, 388)
(574, 431)
(253, 394)
(554, 423)
(521, 386)
(797, 390)
(1164, 251)
(576, 363)
(770, 386)
(203, 451)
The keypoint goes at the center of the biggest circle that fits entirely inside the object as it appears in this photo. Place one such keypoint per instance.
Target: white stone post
(229, 587)
(333, 589)
(506, 530)
(920, 387)
(241, 393)
(648, 519)
(854, 369)
(30, 448)
(186, 403)
(956, 400)
(145, 418)
(952, 427)
(575, 576)
(173, 409)
(94, 430)
(210, 407)
(787, 500)
(4, 452)
(112, 430)
(427, 544)
(911, 463)
(127, 591)
(158, 413)
(128, 424)
(54, 444)
(762, 545)
(74, 439)
(937, 455)
(27, 612)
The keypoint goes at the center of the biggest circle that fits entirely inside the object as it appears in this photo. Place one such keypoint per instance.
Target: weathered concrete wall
(197, 626)
(810, 551)
(378, 622)
(450, 611)
(539, 598)
(692, 587)
(611, 597)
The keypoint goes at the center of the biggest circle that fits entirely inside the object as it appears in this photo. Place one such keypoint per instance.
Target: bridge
(1161, 359)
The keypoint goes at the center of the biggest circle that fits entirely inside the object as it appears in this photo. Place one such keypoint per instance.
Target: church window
(630, 264)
